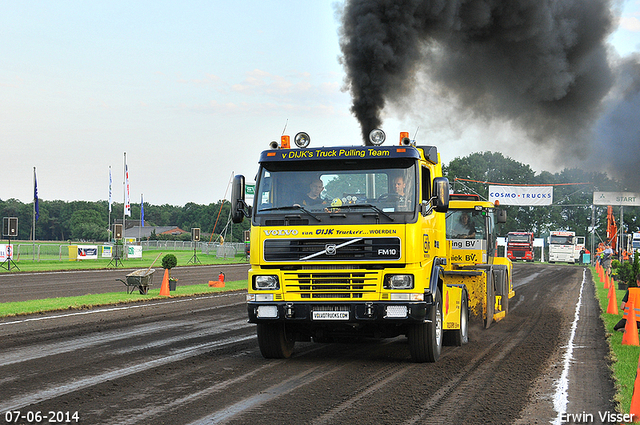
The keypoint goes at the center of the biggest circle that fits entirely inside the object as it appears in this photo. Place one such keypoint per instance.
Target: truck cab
(520, 246)
(363, 258)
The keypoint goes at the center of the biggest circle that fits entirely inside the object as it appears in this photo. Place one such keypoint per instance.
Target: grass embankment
(624, 358)
(112, 298)
(148, 257)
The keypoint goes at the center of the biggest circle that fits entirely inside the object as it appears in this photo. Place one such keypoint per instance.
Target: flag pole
(124, 205)
(35, 201)
(109, 222)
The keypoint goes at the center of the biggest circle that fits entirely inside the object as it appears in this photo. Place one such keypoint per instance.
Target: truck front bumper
(321, 313)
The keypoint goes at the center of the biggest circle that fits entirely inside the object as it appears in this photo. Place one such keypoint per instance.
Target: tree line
(572, 203)
(571, 209)
(85, 220)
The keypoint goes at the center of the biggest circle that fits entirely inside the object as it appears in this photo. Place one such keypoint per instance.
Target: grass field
(148, 257)
(624, 358)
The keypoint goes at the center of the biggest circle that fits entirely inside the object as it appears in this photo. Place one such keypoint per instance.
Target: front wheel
(425, 339)
(274, 342)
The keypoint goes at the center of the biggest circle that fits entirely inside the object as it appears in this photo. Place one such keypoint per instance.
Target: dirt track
(33, 286)
(197, 361)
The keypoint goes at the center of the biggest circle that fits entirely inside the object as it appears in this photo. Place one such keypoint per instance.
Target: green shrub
(169, 261)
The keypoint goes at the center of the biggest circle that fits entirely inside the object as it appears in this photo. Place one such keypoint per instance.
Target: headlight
(266, 283)
(377, 137)
(302, 140)
(398, 281)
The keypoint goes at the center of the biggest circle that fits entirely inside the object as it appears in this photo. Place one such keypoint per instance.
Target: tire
(274, 342)
(425, 339)
(505, 296)
(459, 337)
(491, 301)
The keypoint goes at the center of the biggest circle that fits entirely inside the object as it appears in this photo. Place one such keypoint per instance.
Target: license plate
(330, 315)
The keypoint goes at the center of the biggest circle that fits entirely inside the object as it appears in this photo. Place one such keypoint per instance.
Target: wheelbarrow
(140, 279)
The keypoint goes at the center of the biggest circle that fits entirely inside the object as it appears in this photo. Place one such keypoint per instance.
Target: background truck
(565, 246)
(635, 242)
(520, 246)
(368, 257)
(472, 260)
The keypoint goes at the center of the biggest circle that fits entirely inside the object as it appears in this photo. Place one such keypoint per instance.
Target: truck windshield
(518, 238)
(561, 240)
(466, 224)
(337, 189)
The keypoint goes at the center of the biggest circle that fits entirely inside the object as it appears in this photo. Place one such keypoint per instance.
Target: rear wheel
(458, 337)
(505, 296)
(425, 339)
(274, 342)
(491, 301)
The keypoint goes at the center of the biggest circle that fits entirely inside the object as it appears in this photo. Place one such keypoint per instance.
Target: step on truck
(350, 242)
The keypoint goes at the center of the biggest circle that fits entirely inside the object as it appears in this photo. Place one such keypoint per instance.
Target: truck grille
(363, 249)
(322, 284)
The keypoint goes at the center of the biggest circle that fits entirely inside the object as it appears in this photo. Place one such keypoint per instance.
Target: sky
(192, 92)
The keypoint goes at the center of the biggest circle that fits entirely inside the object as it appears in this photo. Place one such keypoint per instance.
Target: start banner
(521, 195)
(616, 198)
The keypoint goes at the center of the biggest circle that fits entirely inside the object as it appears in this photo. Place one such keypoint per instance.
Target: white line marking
(561, 397)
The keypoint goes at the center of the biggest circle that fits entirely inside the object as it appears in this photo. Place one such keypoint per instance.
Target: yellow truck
(472, 258)
(350, 242)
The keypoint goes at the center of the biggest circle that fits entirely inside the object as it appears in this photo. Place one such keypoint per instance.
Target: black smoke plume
(543, 65)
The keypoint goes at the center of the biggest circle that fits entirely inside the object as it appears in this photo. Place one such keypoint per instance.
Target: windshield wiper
(373, 207)
(291, 207)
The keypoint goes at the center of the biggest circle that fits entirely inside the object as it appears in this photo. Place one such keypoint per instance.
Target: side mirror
(239, 209)
(440, 194)
(501, 216)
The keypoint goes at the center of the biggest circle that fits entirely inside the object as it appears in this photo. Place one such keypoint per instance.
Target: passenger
(399, 186)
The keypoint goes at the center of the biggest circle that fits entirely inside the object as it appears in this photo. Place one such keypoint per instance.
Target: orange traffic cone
(217, 283)
(164, 289)
(612, 308)
(635, 397)
(630, 336)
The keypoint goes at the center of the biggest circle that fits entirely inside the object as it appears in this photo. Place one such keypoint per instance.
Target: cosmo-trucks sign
(521, 195)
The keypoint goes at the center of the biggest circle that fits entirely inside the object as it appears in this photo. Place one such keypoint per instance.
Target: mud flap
(489, 304)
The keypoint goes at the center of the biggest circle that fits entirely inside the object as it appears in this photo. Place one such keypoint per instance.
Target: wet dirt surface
(196, 360)
(40, 285)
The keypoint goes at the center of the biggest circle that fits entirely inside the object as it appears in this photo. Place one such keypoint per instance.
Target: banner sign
(616, 198)
(87, 252)
(6, 252)
(107, 251)
(134, 251)
(521, 195)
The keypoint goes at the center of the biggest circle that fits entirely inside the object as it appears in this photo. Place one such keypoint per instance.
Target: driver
(463, 228)
(313, 196)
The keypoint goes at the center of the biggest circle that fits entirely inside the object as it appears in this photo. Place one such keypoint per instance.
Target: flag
(110, 198)
(141, 211)
(127, 200)
(36, 207)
